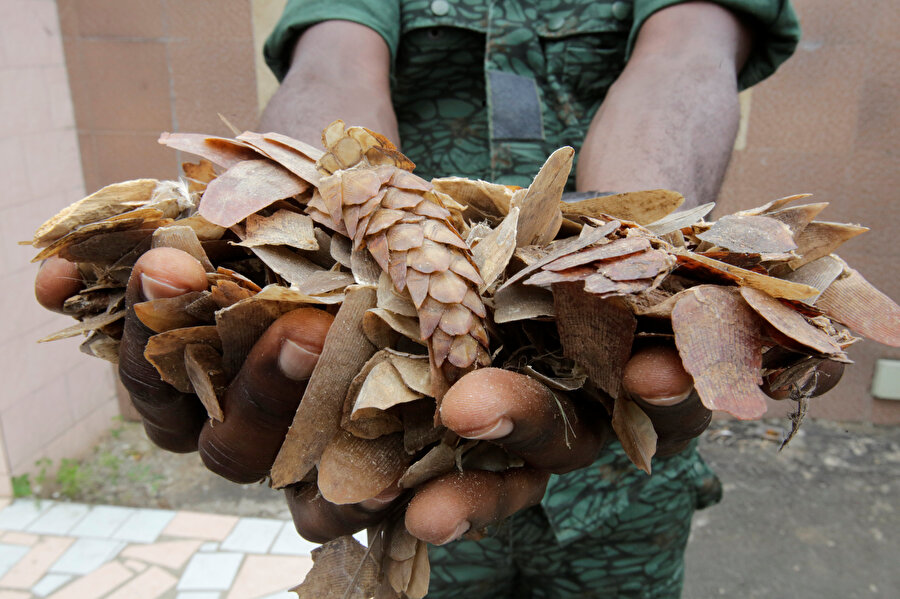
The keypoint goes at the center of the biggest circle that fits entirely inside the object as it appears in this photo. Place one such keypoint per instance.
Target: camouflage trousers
(638, 555)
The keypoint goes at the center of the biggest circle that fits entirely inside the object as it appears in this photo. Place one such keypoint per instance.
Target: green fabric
(572, 49)
(632, 546)
(608, 531)
(380, 15)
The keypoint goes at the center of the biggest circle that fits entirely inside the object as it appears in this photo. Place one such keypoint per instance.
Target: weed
(43, 465)
(70, 477)
(22, 486)
(118, 428)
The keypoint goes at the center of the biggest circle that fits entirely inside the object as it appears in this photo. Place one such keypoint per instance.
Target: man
(647, 94)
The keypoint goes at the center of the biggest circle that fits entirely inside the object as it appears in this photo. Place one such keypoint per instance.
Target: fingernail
(663, 402)
(382, 499)
(501, 428)
(295, 361)
(156, 289)
(461, 529)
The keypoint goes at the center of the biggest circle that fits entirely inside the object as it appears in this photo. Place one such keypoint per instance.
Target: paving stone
(29, 570)
(144, 526)
(50, 583)
(171, 554)
(252, 535)
(210, 572)
(102, 521)
(204, 595)
(86, 555)
(14, 595)
(207, 547)
(134, 565)
(196, 525)
(281, 595)
(19, 538)
(288, 542)
(10, 555)
(22, 512)
(96, 584)
(149, 585)
(59, 519)
(265, 574)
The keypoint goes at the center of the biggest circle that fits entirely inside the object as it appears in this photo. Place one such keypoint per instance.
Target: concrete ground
(820, 520)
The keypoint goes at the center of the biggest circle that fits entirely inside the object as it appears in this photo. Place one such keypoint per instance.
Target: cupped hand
(550, 432)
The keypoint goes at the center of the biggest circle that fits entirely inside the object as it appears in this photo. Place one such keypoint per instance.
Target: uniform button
(440, 7)
(556, 23)
(621, 10)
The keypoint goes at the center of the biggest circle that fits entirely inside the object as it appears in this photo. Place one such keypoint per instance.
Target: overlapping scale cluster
(369, 194)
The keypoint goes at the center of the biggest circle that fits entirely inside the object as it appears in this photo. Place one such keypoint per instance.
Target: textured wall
(54, 403)
(827, 124)
(140, 67)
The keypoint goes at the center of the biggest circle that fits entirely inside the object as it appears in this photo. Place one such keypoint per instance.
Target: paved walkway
(77, 551)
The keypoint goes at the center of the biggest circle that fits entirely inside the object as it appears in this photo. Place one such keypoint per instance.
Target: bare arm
(339, 70)
(670, 119)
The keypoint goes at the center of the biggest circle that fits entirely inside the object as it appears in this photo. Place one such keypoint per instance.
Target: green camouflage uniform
(488, 89)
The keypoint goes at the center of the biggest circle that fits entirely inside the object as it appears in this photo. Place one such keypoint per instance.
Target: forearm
(670, 120)
(329, 81)
(663, 130)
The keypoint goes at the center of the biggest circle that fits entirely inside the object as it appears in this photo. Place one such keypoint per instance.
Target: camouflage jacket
(488, 89)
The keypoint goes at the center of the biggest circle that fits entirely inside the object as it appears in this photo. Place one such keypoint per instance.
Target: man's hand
(551, 433)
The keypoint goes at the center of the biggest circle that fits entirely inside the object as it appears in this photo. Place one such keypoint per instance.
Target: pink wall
(54, 403)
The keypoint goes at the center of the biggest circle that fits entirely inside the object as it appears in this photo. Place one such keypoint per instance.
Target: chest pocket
(584, 46)
(441, 34)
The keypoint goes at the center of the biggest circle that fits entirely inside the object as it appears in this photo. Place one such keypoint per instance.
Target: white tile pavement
(10, 555)
(59, 519)
(288, 542)
(102, 521)
(210, 571)
(252, 535)
(86, 555)
(22, 512)
(143, 526)
(59, 550)
(50, 583)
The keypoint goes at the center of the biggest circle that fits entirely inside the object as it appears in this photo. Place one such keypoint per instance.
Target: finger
(260, 402)
(172, 419)
(447, 507)
(320, 521)
(56, 281)
(823, 378)
(656, 380)
(548, 431)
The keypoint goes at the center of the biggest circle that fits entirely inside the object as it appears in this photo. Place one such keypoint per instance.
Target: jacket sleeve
(382, 16)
